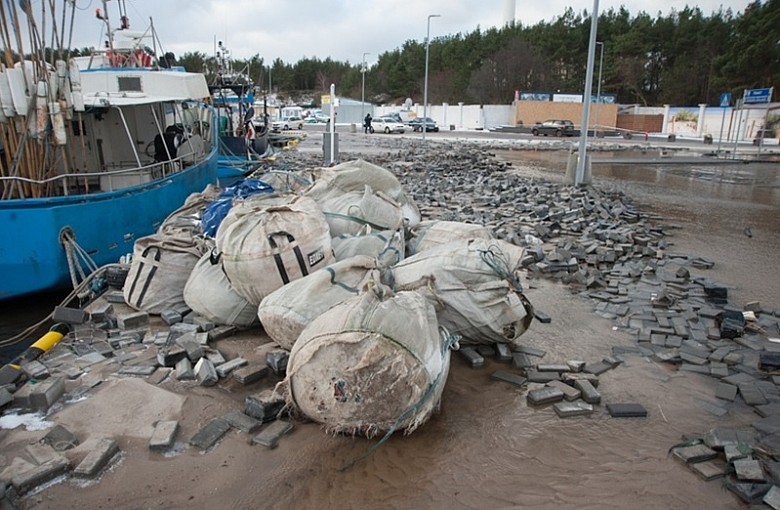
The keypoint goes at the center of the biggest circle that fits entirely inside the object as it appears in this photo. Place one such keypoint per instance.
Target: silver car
(383, 125)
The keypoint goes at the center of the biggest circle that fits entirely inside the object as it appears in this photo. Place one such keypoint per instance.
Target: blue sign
(754, 96)
(725, 100)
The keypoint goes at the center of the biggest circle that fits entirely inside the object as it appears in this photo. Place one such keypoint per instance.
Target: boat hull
(104, 224)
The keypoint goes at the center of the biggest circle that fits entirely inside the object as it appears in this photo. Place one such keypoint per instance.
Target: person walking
(367, 123)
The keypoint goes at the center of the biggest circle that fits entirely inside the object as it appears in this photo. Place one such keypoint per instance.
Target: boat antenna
(104, 16)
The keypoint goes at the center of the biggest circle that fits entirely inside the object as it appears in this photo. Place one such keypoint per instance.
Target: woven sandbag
(209, 294)
(387, 245)
(161, 266)
(475, 287)
(351, 212)
(264, 245)
(285, 312)
(352, 176)
(434, 233)
(374, 363)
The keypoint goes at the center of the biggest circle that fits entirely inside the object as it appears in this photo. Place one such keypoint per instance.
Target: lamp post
(363, 88)
(425, 85)
(579, 178)
(598, 91)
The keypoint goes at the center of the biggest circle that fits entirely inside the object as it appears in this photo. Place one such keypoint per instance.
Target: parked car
(418, 123)
(288, 123)
(554, 127)
(384, 125)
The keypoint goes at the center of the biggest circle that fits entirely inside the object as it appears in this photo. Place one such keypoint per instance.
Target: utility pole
(425, 86)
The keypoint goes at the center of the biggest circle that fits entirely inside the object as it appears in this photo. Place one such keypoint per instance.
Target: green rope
(340, 284)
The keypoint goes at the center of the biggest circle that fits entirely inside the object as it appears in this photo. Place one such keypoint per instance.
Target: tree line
(682, 58)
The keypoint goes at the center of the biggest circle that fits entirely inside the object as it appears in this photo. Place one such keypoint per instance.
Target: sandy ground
(486, 449)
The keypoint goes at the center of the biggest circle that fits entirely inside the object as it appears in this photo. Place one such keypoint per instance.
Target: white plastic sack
(264, 247)
(161, 265)
(475, 287)
(434, 233)
(352, 176)
(287, 311)
(374, 363)
(351, 212)
(209, 294)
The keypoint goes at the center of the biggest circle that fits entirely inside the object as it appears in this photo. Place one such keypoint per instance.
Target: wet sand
(487, 448)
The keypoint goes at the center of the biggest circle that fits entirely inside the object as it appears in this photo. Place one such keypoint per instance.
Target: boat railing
(110, 180)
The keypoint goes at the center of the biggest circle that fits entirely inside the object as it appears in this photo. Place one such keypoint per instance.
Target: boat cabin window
(130, 84)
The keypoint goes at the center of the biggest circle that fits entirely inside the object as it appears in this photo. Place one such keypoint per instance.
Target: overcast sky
(340, 29)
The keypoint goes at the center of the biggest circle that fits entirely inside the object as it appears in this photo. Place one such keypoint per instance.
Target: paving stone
(709, 469)
(503, 353)
(521, 361)
(698, 369)
(589, 392)
(668, 355)
(468, 354)
(542, 317)
(170, 354)
(570, 393)
(137, 370)
(711, 407)
(718, 369)
(96, 459)
(45, 394)
(216, 357)
(242, 422)
(170, 317)
(264, 406)
(772, 498)
(132, 320)
(751, 394)
(767, 425)
(203, 323)
(159, 375)
(270, 435)
(552, 367)
(250, 374)
(182, 328)
(569, 409)
(749, 492)
(5, 398)
(530, 351)
(738, 378)
(35, 370)
(69, 315)
(93, 358)
(769, 360)
(191, 346)
(541, 377)
(718, 438)
(748, 470)
(39, 475)
(768, 409)
(597, 368)
(60, 439)
(726, 391)
(226, 368)
(694, 453)
(503, 375)
(205, 372)
(576, 365)
(626, 410)
(221, 332)
(736, 451)
(208, 436)
(733, 358)
(40, 453)
(115, 296)
(546, 395)
(164, 435)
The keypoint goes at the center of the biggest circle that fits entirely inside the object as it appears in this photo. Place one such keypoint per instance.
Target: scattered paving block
(203, 323)
(93, 358)
(208, 436)
(159, 375)
(137, 370)
(576, 365)
(589, 393)
(216, 357)
(250, 374)
(569, 409)
(242, 422)
(206, 373)
(182, 328)
(542, 317)
(184, 370)
(39, 475)
(44, 394)
(221, 332)
(718, 438)
(726, 391)
(192, 347)
(270, 435)
(60, 439)
(170, 317)
(736, 451)
(626, 410)
(104, 349)
(570, 393)
(530, 351)
(748, 470)
(132, 320)
(542, 377)
(570, 377)
(597, 368)
(503, 353)
(749, 492)
(101, 311)
(41, 452)
(169, 355)
(767, 425)
(521, 361)
(96, 459)
(546, 395)
(69, 315)
(468, 354)
(264, 406)
(709, 469)
(711, 407)
(115, 296)
(772, 498)
(719, 369)
(768, 409)
(224, 369)
(552, 367)
(503, 375)
(5, 397)
(694, 453)
(164, 435)
(751, 394)
(35, 370)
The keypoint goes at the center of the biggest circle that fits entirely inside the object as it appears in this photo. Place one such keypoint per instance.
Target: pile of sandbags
(434, 233)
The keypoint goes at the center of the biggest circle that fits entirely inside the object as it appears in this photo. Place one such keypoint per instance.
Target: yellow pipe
(11, 372)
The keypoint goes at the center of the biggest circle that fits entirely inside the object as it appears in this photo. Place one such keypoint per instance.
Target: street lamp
(598, 91)
(425, 86)
(363, 89)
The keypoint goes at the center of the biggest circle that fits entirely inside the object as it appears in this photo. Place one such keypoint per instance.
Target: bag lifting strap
(149, 277)
(278, 256)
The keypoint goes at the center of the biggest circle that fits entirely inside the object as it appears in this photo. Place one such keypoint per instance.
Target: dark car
(417, 124)
(554, 128)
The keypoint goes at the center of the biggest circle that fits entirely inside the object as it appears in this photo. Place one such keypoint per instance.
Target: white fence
(458, 116)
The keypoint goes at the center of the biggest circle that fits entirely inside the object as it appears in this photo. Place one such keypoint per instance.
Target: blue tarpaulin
(218, 209)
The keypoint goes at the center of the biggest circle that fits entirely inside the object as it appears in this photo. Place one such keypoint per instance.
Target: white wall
(461, 116)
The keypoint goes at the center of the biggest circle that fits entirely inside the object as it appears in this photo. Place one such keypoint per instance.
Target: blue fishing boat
(97, 151)
(243, 142)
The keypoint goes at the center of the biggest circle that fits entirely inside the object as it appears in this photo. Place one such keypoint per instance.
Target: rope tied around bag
(77, 257)
(499, 263)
